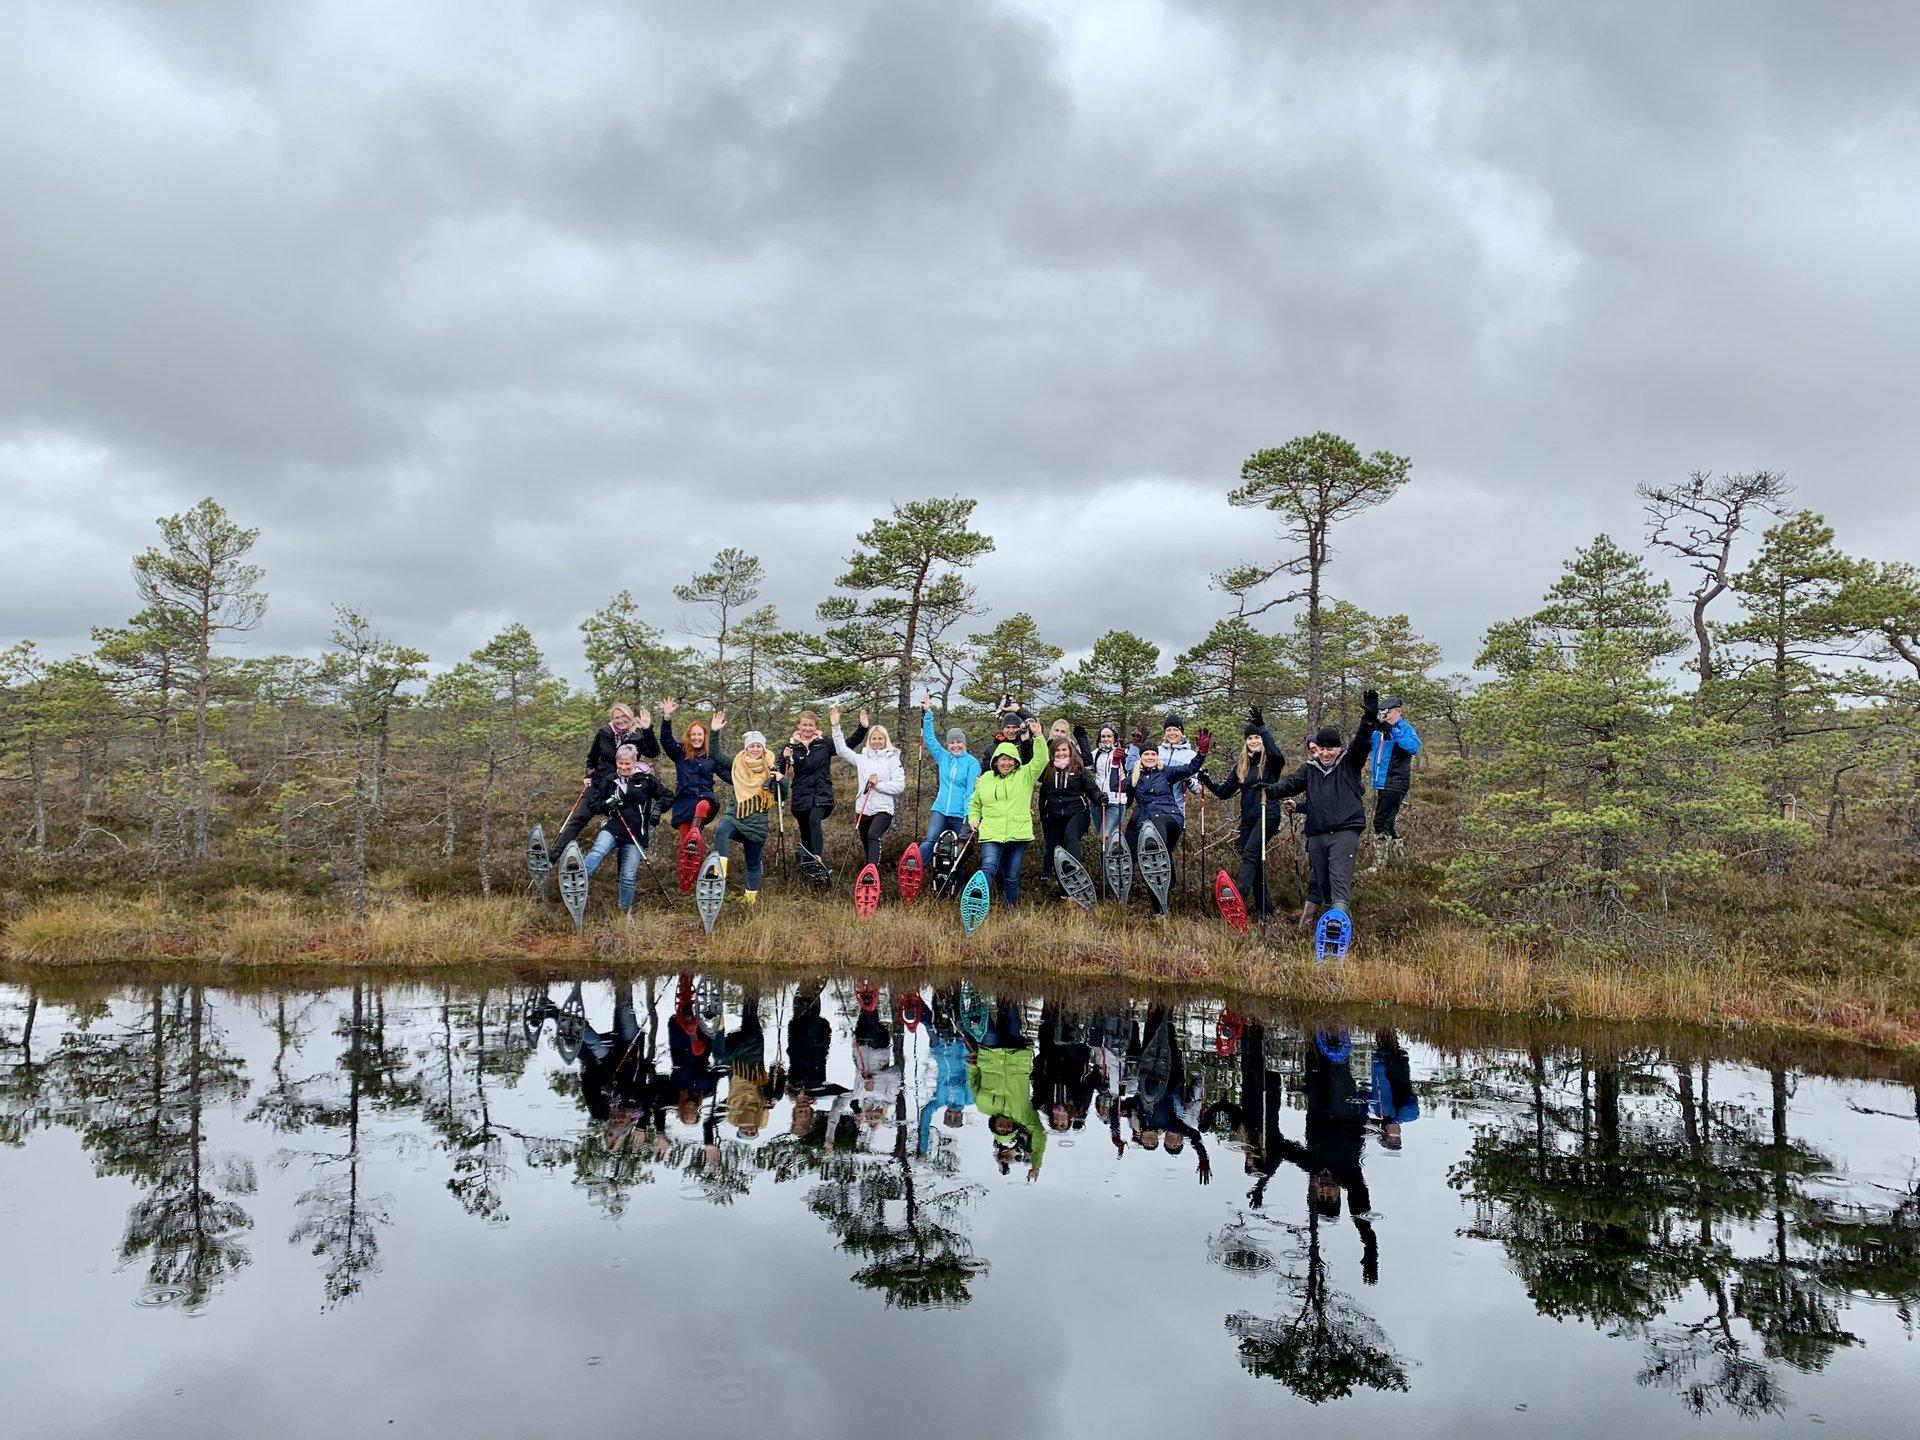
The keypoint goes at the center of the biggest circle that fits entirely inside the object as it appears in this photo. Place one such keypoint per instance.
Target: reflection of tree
(1620, 1208)
(25, 1103)
(139, 1102)
(1326, 1348)
(896, 1209)
(457, 1063)
(334, 1214)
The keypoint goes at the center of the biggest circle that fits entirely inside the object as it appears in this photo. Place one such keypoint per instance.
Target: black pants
(577, 821)
(873, 829)
(1386, 812)
(1253, 868)
(1068, 830)
(1330, 861)
(812, 834)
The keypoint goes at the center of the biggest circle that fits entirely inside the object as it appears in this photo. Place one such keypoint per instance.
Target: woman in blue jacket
(694, 763)
(1155, 793)
(958, 771)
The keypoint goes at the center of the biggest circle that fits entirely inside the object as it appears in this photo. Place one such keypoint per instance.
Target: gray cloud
(450, 301)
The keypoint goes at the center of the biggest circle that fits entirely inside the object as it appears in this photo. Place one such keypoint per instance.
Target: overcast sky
(482, 312)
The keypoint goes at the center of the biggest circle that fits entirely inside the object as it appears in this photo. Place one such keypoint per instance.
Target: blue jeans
(1003, 859)
(629, 863)
(626, 1027)
(938, 825)
(725, 833)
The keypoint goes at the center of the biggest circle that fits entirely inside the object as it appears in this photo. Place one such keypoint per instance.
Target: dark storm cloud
(446, 298)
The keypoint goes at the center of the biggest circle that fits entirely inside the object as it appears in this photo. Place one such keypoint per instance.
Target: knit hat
(956, 736)
(1327, 738)
(1146, 745)
(1173, 722)
(753, 737)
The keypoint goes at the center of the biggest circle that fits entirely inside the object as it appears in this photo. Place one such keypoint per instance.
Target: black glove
(1080, 733)
(1139, 737)
(1370, 703)
(1255, 718)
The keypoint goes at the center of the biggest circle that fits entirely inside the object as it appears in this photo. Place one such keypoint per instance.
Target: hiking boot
(750, 897)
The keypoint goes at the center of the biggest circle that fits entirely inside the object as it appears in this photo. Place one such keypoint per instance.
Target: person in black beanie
(1333, 782)
(1259, 766)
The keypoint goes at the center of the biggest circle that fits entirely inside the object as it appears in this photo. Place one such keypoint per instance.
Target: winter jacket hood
(1002, 805)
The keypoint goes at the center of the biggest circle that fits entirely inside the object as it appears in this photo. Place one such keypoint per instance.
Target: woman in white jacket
(879, 776)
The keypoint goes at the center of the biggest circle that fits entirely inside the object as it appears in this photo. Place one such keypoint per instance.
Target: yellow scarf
(750, 778)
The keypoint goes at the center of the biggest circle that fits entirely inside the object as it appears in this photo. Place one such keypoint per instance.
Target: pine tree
(1118, 683)
(1232, 667)
(1311, 483)
(630, 660)
(365, 674)
(1797, 613)
(201, 582)
(1700, 520)
(1012, 659)
(900, 585)
(1600, 789)
(725, 588)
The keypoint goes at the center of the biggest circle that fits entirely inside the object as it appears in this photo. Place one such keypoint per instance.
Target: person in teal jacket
(1390, 768)
(951, 1090)
(957, 769)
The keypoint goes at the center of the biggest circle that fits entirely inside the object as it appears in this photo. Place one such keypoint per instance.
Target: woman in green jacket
(1002, 1081)
(1001, 812)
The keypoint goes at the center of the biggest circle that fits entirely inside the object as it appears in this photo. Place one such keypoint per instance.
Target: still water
(683, 1207)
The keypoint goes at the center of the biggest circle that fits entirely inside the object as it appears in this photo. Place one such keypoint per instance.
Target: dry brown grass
(1437, 965)
(76, 930)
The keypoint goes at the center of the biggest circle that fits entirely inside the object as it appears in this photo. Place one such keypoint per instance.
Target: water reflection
(1674, 1206)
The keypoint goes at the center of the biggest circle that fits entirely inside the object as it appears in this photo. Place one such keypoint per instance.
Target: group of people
(1075, 782)
(1133, 1077)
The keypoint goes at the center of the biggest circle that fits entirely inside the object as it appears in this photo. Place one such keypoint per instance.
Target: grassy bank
(1424, 960)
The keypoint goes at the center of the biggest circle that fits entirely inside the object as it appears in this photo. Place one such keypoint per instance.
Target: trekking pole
(1264, 905)
(646, 860)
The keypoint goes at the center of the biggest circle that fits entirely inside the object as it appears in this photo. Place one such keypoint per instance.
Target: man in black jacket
(1334, 784)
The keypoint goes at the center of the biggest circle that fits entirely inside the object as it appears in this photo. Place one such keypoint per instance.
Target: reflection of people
(750, 1088)
(1392, 1100)
(1164, 1109)
(1063, 1073)
(809, 1041)
(1254, 1117)
(617, 1078)
(690, 1054)
(1002, 1080)
(873, 1058)
(1331, 1158)
(951, 1092)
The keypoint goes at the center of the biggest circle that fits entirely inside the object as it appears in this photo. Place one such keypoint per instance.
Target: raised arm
(1361, 746)
(840, 746)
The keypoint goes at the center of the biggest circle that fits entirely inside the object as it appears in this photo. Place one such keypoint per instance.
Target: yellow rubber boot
(752, 897)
